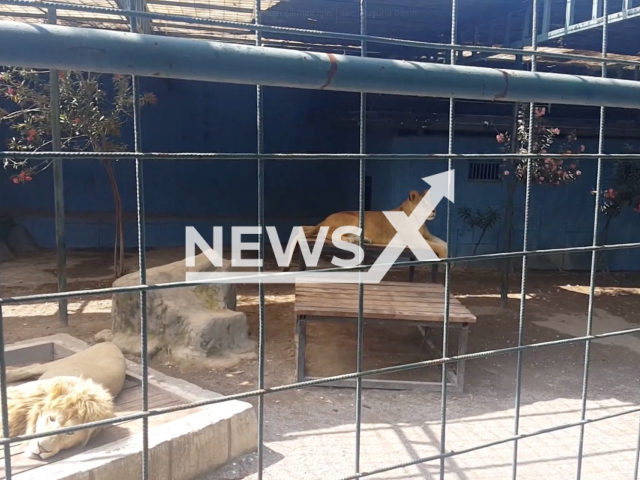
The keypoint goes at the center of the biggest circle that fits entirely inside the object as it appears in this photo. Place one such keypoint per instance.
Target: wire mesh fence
(519, 86)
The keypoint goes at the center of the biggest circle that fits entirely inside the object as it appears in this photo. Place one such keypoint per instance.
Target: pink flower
(556, 131)
(578, 172)
(541, 179)
(500, 138)
(15, 180)
(506, 173)
(582, 148)
(76, 121)
(10, 91)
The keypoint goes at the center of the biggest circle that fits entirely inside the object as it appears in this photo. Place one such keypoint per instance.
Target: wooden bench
(398, 303)
(329, 248)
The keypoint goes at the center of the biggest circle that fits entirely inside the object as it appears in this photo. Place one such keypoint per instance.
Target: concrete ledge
(180, 449)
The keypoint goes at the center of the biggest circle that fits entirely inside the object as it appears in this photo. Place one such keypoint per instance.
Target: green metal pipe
(103, 51)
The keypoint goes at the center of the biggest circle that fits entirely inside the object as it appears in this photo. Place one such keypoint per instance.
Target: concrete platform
(182, 445)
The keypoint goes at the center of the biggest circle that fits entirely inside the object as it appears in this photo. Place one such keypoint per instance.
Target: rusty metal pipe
(103, 51)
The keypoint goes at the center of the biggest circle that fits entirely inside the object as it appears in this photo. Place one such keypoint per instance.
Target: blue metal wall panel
(198, 117)
(201, 117)
(559, 217)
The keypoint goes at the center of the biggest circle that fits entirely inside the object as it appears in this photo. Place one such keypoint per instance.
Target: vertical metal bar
(626, 5)
(447, 267)
(525, 246)
(507, 31)
(546, 18)
(595, 9)
(142, 258)
(492, 27)
(58, 184)
(510, 186)
(257, 14)
(636, 469)
(3, 400)
(362, 165)
(569, 15)
(594, 254)
(527, 23)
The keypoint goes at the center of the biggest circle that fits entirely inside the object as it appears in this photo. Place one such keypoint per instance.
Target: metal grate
(125, 54)
(484, 172)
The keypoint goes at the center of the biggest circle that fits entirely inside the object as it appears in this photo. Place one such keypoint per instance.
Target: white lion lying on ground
(71, 391)
(52, 403)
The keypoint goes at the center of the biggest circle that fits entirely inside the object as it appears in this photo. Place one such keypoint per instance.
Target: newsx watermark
(407, 235)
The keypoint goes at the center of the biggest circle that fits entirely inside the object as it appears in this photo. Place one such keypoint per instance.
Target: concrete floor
(411, 429)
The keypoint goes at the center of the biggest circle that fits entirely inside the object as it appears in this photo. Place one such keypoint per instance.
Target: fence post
(58, 184)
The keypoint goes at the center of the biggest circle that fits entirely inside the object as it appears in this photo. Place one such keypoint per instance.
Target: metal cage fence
(142, 55)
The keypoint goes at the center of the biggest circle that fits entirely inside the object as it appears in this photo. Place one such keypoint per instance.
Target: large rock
(192, 324)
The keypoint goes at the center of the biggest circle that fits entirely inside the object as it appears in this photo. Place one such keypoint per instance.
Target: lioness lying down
(70, 391)
(377, 228)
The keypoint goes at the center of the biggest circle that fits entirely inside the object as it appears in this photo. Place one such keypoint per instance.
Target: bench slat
(386, 300)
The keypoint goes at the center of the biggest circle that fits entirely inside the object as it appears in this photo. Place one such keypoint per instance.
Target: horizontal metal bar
(22, 155)
(495, 443)
(101, 51)
(583, 26)
(62, 18)
(304, 32)
(43, 297)
(310, 383)
(379, 321)
(389, 384)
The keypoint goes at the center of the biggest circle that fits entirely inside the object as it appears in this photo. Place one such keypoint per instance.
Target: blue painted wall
(559, 217)
(199, 117)
(204, 117)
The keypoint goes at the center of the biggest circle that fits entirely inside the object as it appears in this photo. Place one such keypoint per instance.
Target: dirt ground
(298, 420)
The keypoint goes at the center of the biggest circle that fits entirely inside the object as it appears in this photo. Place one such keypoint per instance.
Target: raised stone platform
(182, 445)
